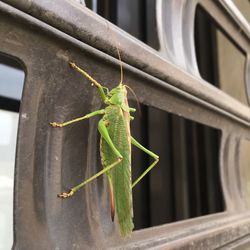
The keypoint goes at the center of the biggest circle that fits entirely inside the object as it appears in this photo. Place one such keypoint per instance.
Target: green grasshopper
(115, 150)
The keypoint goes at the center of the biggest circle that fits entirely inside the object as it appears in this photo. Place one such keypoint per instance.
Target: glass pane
(10, 79)
(231, 63)
(138, 18)
(245, 169)
(220, 61)
(8, 133)
(11, 84)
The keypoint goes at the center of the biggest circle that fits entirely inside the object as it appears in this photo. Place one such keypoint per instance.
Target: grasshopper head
(117, 95)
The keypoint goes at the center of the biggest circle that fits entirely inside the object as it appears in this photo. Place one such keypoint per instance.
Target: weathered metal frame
(44, 36)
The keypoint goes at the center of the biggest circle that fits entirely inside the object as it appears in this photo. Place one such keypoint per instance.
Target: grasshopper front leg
(92, 80)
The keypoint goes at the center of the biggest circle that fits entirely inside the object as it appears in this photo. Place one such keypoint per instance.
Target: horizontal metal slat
(92, 29)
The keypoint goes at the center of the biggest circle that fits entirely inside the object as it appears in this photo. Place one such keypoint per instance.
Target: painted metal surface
(44, 36)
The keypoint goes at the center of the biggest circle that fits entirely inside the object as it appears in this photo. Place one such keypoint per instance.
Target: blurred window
(11, 84)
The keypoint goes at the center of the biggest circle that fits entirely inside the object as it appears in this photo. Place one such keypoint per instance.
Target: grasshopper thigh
(105, 134)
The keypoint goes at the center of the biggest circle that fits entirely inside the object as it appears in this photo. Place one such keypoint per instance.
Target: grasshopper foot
(56, 125)
(65, 195)
(72, 65)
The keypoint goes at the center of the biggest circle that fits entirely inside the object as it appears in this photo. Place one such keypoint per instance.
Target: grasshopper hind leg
(105, 135)
(72, 191)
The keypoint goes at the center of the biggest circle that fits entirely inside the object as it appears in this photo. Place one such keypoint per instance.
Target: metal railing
(44, 36)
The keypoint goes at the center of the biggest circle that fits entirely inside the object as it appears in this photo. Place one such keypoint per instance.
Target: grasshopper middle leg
(156, 157)
(60, 125)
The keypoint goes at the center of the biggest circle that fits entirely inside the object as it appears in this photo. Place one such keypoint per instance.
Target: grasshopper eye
(106, 90)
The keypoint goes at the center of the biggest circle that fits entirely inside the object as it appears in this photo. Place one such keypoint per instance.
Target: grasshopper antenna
(118, 52)
(120, 60)
(121, 70)
(136, 98)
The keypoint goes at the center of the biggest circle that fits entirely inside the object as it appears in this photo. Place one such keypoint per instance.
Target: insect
(115, 149)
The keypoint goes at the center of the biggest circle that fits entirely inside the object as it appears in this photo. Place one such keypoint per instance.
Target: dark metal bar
(162, 192)
(179, 166)
(139, 164)
(9, 104)
(193, 160)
